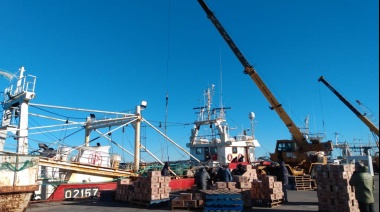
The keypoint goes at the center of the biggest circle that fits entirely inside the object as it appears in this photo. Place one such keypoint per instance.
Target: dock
(301, 200)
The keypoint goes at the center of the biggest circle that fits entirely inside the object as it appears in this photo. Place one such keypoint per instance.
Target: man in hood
(202, 177)
(165, 169)
(364, 187)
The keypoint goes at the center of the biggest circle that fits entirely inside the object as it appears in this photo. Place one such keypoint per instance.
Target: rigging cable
(167, 79)
(122, 143)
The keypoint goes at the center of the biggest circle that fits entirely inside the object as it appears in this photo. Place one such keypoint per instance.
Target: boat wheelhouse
(211, 142)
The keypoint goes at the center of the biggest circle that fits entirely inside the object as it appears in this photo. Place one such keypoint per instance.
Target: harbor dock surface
(298, 201)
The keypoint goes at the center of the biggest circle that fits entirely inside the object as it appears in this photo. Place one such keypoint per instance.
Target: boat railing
(244, 138)
(22, 85)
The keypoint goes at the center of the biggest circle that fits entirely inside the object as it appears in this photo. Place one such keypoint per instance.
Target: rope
(7, 165)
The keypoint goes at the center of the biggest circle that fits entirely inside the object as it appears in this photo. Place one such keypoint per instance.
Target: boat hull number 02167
(80, 192)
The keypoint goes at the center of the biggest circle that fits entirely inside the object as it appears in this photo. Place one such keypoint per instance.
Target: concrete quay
(298, 201)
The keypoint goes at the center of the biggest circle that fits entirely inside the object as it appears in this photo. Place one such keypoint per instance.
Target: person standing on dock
(227, 174)
(165, 170)
(364, 187)
(212, 179)
(284, 177)
(239, 170)
(201, 178)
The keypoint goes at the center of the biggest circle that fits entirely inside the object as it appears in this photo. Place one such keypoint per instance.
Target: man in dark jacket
(224, 174)
(239, 170)
(284, 177)
(220, 174)
(364, 187)
(165, 170)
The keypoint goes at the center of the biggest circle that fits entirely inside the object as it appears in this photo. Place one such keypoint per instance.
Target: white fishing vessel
(211, 142)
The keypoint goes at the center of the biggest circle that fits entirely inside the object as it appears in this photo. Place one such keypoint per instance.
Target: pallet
(187, 208)
(266, 203)
(215, 208)
(198, 207)
(149, 203)
(301, 182)
(304, 188)
(217, 201)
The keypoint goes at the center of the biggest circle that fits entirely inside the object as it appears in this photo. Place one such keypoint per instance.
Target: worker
(219, 174)
(208, 157)
(227, 174)
(201, 179)
(241, 159)
(212, 179)
(224, 174)
(165, 170)
(284, 177)
(239, 170)
(364, 187)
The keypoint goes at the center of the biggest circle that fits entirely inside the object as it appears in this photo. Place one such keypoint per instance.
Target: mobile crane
(298, 153)
(372, 127)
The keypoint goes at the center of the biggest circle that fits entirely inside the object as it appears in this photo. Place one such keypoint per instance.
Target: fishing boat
(64, 170)
(211, 142)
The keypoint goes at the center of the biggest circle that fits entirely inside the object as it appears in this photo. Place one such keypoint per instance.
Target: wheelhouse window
(234, 150)
(198, 150)
(287, 147)
(207, 151)
(214, 150)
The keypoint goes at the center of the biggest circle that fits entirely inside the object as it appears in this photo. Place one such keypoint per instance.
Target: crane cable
(321, 103)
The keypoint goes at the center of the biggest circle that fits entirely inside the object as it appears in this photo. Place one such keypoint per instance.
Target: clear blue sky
(111, 55)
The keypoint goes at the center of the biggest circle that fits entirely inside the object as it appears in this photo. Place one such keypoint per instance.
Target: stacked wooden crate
(333, 189)
(187, 200)
(267, 192)
(124, 189)
(244, 184)
(145, 189)
(250, 173)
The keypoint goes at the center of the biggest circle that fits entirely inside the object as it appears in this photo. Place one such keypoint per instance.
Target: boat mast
(16, 106)
(137, 125)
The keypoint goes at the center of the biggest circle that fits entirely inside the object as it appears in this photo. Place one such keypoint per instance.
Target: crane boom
(250, 70)
(363, 118)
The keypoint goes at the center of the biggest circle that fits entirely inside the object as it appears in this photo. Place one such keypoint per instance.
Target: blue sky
(111, 55)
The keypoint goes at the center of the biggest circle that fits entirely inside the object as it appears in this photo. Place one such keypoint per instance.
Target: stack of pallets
(222, 201)
(303, 182)
(266, 203)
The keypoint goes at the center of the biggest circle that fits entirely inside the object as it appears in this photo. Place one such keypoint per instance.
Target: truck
(299, 153)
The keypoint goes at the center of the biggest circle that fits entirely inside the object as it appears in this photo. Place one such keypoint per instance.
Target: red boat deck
(81, 190)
